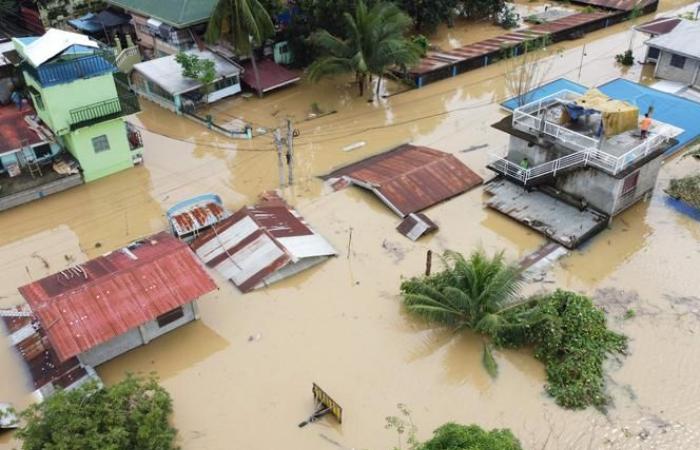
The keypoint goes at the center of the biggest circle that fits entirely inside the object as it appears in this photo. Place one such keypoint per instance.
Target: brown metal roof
(436, 60)
(409, 178)
(659, 26)
(91, 303)
(416, 225)
(617, 5)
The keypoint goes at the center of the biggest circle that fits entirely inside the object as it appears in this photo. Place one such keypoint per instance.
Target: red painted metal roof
(272, 75)
(91, 303)
(659, 26)
(437, 60)
(410, 178)
(15, 132)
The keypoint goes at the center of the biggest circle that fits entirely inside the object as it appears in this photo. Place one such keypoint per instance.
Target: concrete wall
(98, 165)
(688, 74)
(134, 338)
(20, 198)
(604, 191)
(520, 148)
(59, 100)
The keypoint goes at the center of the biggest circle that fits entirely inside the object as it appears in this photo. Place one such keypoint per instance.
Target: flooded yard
(241, 376)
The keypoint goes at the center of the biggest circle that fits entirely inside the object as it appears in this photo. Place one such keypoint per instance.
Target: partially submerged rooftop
(271, 76)
(409, 178)
(259, 245)
(554, 218)
(166, 72)
(659, 26)
(682, 40)
(91, 303)
(20, 128)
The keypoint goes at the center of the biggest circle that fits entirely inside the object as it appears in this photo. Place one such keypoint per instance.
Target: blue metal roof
(669, 108)
(546, 89)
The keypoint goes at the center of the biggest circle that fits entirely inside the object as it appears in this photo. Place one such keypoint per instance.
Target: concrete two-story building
(677, 54)
(574, 162)
(78, 94)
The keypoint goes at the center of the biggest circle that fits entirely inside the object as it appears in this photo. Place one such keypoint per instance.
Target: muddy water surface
(241, 376)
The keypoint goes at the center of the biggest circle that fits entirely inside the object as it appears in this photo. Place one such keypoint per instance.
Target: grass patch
(686, 189)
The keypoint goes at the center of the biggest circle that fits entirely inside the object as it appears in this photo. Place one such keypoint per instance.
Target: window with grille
(630, 183)
(100, 144)
(678, 61)
(170, 316)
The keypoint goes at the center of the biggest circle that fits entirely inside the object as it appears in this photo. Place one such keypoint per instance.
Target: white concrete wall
(666, 71)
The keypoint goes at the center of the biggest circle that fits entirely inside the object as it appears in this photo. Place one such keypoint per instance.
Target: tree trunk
(361, 84)
(255, 71)
(379, 86)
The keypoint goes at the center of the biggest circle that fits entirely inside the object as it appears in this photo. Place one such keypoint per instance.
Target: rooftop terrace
(547, 118)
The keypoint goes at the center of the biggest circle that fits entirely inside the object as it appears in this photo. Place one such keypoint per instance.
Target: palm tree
(474, 293)
(376, 42)
(244, 23)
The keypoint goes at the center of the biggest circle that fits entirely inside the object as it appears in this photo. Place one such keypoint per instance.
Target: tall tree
(470, 294)
(376, 42)
(428, 14)
(245, 24)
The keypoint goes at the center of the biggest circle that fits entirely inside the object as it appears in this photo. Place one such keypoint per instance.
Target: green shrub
(686, 189)
(452, 436)
(626, 59)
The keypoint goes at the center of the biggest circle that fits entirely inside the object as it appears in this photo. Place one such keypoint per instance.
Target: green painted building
(78, 93)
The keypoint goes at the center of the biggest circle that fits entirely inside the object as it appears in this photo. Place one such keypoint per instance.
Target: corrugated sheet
(437, 60)
(42, 362)
(257, 242)
(659, 26)
(94, 302)
(618, 5)
(271, 76)
(54, 42)
(409, 179)
(178, 13)
(416, 225)
(195, 214)
(15, 131)
(683, 40)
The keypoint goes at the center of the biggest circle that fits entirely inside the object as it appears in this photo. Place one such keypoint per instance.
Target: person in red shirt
(645, 125)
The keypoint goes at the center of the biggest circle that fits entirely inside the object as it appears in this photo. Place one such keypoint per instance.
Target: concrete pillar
(144, 335)
(195, 310)
(178, 104)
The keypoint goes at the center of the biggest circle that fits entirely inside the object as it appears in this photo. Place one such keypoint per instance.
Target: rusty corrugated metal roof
(42, 362)
(659, 26)
(192, 216)
(617, 5)
(409, 178)
(436, 60)
(261, 244)
(416, 225)
(91, 303)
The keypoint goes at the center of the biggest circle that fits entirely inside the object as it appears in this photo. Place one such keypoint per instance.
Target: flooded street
(241, 376)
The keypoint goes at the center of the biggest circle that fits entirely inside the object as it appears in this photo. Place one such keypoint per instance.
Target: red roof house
(92, 303)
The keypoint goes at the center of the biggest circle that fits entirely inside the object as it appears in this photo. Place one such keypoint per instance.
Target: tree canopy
(239, 22)
(376, 41)
(132, 414)
(452, 436)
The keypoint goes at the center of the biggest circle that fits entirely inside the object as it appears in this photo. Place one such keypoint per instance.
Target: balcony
(124, 104)
(59, 72)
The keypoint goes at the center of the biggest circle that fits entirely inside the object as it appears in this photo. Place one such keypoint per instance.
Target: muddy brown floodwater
(341, 324)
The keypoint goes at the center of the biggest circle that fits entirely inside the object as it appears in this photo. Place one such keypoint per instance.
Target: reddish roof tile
(91, 303)
(15, 132)
(272, 75)
(409, 179)
(659, 26)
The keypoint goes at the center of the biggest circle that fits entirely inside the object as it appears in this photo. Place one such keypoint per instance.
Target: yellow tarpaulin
(618, 116)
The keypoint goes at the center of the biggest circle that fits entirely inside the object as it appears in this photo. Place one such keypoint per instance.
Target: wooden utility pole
(280, 164)
(290, 151)
(580, 65)
(428, 262)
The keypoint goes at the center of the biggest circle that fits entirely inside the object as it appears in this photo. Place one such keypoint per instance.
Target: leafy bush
(422, 43)
(573, 341)
(568, 332)
(133, 414)
(686, 189)
(626, 59)
(452, 436)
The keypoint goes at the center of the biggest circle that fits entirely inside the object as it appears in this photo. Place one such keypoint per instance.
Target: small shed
(104, 307)
(162, 80)
(259, 245)
(677, 53)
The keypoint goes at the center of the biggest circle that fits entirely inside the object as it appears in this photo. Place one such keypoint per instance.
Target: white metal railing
(594, 157)
(527, 119)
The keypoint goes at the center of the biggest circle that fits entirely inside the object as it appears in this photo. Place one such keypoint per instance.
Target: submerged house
(162, 81)
(77, 93)
(262, 244)
(165, 28)
(575, 161)
(677, 54)
(90, 313)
